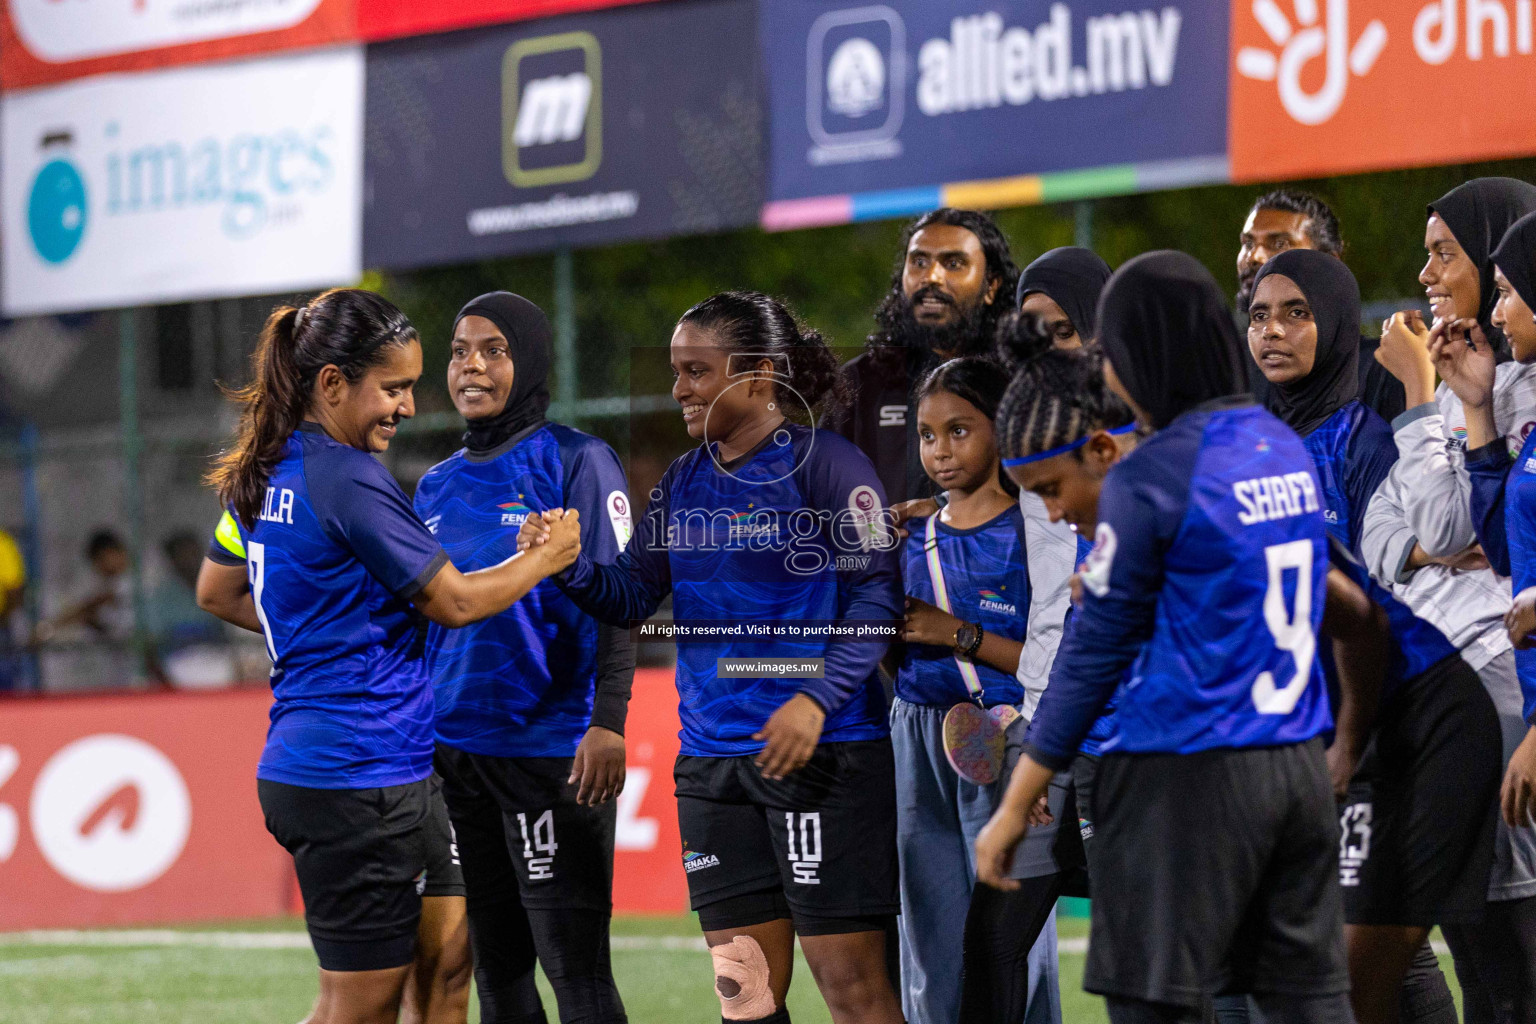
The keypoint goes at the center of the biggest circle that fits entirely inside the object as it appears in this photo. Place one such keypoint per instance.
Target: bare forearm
(239, 612)
(1481, 429)
(456, 599)
(1000, 653)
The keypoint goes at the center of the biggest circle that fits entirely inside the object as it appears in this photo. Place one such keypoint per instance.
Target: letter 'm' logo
(552, 109)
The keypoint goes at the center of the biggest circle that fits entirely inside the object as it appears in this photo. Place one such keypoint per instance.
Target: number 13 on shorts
(803, 832)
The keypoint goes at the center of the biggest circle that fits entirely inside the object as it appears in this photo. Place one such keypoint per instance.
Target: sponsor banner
(1336, 86)
(885, 109)
(141, 809)
(639, 122)
(45, 41)
(391, 19)
(135, 808)
(194, 183)
(649, 860)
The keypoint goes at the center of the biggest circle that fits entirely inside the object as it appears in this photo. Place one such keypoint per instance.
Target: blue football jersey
(986, 575)
(521, 684)
(788, 535)
(1504, 512)
(1353, 452)
(334, 559)
(1206, 583)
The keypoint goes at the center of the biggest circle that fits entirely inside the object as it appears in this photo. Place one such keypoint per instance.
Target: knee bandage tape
(741, 961)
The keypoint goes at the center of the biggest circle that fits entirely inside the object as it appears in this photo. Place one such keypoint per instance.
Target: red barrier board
(141, 808)
(391, 19)
(135, 808)
(44, 41)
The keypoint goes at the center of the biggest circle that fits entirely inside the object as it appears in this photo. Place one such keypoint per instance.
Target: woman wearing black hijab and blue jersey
(1211, 599)
(531, 703)
(1418, 823)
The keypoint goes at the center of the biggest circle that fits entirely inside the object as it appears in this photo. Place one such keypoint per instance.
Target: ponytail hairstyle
(758, 327)
(1056, 397)
(977, 380)
(348, 328)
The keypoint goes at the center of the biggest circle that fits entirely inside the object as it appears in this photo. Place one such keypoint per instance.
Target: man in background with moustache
(953, 281)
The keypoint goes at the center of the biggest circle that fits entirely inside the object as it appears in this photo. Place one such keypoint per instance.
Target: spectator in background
(1291, 219)
(953, 280)
(189, 648)
(100, 617)
(13, 584)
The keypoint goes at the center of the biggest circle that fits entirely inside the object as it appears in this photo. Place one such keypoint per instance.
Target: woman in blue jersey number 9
(1222, 822)
(530, 703)
(337, 575)
(785, 782)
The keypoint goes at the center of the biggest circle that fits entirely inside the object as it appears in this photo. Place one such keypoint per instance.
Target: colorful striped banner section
(997, 193)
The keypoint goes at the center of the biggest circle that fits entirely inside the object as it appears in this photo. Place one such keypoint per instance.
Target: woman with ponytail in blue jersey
(770, 539)
(531, 703)
(338, 572)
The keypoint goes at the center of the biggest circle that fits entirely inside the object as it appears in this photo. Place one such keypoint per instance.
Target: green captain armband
(228, 536)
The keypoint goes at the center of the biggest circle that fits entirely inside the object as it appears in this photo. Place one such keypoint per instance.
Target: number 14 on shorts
(539, 848)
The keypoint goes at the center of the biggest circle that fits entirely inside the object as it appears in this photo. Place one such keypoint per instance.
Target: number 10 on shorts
(804, 834)
(539, 849)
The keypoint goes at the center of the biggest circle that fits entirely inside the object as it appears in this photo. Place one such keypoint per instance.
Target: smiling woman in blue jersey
(338, 572)
(530, 703)
(1418, 826)
(785, 782)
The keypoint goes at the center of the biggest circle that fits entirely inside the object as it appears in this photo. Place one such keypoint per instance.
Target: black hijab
(1072, 278)
(1166, 328)
(1330, 289)
(1516, 256)
(1478, 213)
(526, 329)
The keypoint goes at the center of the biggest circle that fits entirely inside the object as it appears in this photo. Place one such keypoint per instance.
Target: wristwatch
(968, 639)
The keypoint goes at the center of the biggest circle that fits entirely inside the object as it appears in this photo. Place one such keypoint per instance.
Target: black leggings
(572, 946)
(1496, 963)
(1000, 929)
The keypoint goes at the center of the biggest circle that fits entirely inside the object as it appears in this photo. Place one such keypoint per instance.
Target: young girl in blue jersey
(1417, 841)
(337, 574)
(530, 704)
(967, 612)
(1214, 866)
(785, 781)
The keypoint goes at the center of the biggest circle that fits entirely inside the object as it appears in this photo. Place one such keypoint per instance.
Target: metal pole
(565, 331)
(1083, 228)
(132, 448)
(32, 545)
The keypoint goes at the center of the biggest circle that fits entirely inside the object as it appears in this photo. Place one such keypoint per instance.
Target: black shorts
(445, 876)
(1215, 872)
(824, 839)
(361, 857)
(1416, 833)
(522, 836)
